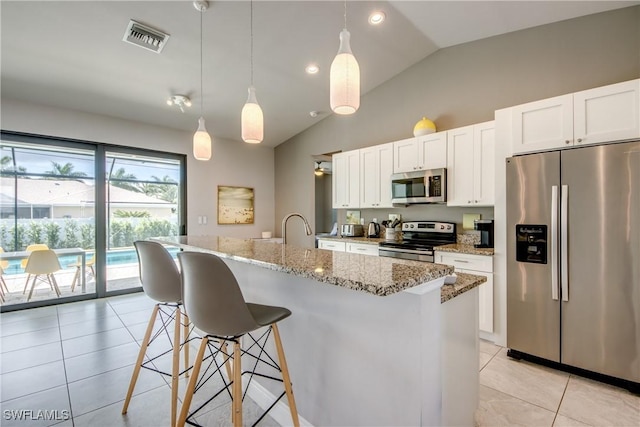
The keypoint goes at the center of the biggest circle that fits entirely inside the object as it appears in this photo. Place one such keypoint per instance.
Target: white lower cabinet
(479, 265)
(362, 248)
(332, 245)
(341, 246)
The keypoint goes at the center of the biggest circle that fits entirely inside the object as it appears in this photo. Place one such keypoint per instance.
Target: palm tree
(120, 178)
(6, 165)
(166, 189)
(66, 170)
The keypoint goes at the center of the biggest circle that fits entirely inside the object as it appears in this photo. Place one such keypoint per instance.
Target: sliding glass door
(51, 200)
(48, 203)
(143, 201)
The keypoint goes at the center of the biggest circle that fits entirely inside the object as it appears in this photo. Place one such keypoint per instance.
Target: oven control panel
(429, 227)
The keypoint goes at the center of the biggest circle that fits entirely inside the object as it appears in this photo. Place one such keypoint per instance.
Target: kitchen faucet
(307, 228)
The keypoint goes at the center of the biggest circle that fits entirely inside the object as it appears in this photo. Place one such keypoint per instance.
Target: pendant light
(201, 139)
(252, 119)
(344, 76)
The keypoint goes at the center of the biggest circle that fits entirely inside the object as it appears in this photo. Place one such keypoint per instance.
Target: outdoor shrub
(5, 240)
(154, 228)
(53, 234)
(87, 236)
(122, 234)
(18, 235)
(71, 234)
(34, 233)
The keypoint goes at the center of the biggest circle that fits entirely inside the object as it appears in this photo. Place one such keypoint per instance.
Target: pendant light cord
(345, 14)
(251, 42)
(201, 90)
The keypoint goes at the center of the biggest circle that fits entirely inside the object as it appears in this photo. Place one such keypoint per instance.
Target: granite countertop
(380, 276)
(464, 249)
(464, 283)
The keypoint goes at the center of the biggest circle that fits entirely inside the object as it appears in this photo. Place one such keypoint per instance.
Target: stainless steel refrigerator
(573, 248)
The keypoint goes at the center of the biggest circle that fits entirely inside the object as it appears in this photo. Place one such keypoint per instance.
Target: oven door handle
(406, 251)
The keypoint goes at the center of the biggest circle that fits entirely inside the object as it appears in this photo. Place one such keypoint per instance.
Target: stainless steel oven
(419, 239)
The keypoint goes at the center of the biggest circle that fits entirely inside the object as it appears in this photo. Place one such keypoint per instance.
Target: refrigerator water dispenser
(531, 243)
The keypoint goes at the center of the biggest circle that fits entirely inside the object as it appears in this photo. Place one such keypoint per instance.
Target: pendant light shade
(344, 79)
(201, 142)
(252, 119)
(201, 139)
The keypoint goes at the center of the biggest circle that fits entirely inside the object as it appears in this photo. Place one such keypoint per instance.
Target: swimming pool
(115, 257)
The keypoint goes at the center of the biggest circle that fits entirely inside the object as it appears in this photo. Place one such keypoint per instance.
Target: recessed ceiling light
(312, 69)
(377, 17)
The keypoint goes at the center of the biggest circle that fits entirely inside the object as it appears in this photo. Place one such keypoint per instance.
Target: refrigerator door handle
(564, 243)
(554, 242)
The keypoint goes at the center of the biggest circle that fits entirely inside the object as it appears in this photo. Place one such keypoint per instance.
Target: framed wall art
(235, 205)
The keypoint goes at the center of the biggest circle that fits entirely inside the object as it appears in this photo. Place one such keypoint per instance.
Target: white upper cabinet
(470, 166)
(345, 179)
(604, 114)
(609, 113)
(432, 150)
(420, 153)
(484, 162)
(542, 125)
(376, 167)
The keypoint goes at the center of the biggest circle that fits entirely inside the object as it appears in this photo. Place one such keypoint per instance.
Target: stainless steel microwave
(428, 186)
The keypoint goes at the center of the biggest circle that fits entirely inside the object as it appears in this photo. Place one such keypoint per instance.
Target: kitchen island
(372, 340)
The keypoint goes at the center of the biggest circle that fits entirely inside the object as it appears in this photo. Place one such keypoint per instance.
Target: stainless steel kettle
(374, 230)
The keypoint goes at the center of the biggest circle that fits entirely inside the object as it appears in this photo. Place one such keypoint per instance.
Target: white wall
(233, 163)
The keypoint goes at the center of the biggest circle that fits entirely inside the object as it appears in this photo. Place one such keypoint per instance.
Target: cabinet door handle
(567, 142)
(461, 260)
(579, 139)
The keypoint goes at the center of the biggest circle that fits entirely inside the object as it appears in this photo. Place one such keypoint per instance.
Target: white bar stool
(216, 306)
(161, 282)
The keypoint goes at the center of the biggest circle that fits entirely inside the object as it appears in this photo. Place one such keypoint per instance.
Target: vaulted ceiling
(71, 54)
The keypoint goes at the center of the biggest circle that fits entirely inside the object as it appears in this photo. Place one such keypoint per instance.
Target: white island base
(357, 359)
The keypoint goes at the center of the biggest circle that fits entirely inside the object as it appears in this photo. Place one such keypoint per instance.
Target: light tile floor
(75, 361)
(525, 394)
(78, 358)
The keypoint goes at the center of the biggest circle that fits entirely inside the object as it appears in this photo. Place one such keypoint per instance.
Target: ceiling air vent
(145, 36)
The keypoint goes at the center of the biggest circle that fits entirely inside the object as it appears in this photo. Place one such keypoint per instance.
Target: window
(48, 194)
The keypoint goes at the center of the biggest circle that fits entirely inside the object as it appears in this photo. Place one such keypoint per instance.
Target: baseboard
(487, 336)
(280, 412)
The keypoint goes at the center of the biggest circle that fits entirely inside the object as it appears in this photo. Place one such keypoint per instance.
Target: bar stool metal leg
(186, 344)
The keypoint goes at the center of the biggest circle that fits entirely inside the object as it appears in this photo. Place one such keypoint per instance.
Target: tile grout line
(518, 398)
(566, 386)
(64, 366)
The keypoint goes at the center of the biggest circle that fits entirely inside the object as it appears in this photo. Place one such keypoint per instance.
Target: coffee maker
(485, 227)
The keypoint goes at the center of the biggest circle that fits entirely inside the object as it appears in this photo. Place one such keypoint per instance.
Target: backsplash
(470, 238)
(426, 213)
